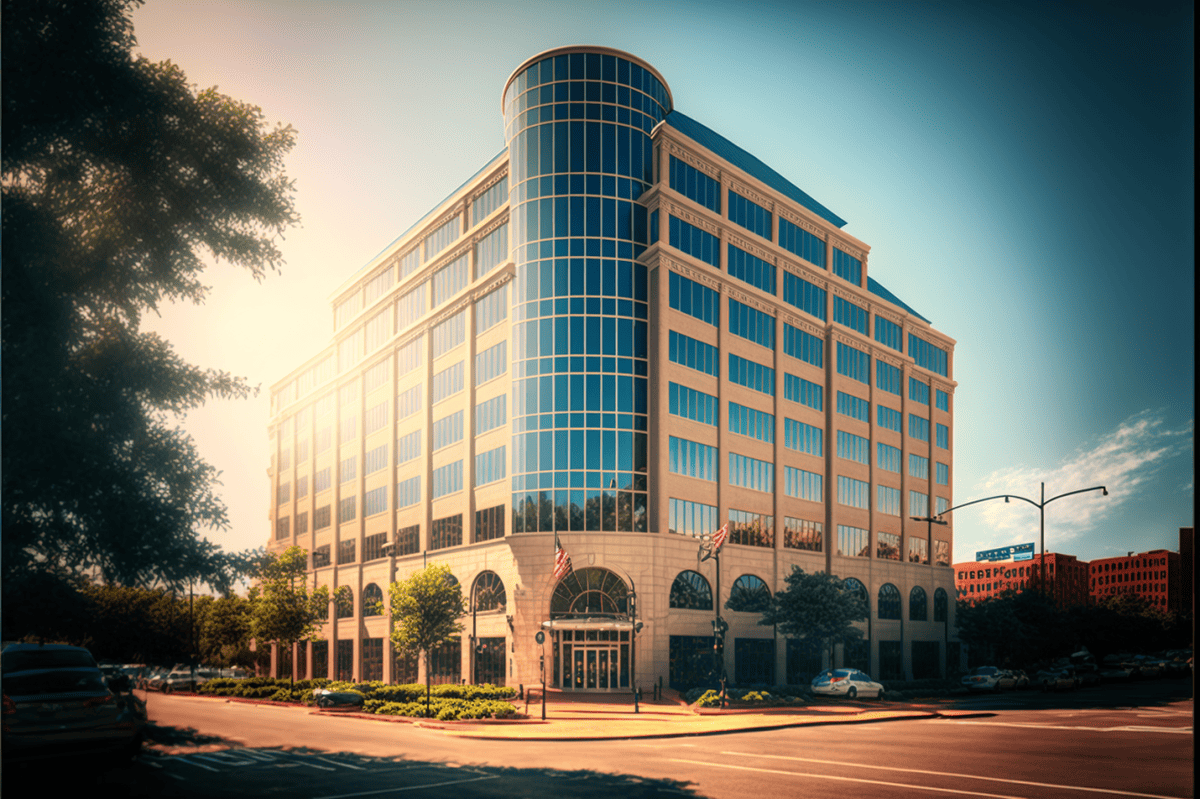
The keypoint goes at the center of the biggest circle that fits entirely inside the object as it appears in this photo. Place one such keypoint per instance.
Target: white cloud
(1124, 461)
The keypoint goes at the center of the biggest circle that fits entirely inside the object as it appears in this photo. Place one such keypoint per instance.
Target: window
(449, 334)
(918, 466)
(408, 447)
(349, 429)
(853, 448)
(749, 422)
(943, 436)
(446, 532)
(797, 389)
(853, 363)
(887, 457)
(283, 493)
(803, 534)
(751, 529)
(441, 238)
(749, 595)
(301, 523)
(375, 501)
(803, 485)
(408, 492)
(409, 402)
(690, 591)
(375, 418)
(854, 493)
(751, 473)
(350, 349)
(346, 310)
(699, 244)
(491, 251)
(691, 518)
(692, 353)
(489, 525)
(447, 382)
(283, 527)
(888, 333)
(888, 500)
(918, 427)
(918, 391)
(799, 241)
(448, 430)
(853, 542)
(448, 479)
(322, 480)
(943, 474)
(378, 329)
(887, 546)
(749, 215)
(918, 550)
(751, 324)
(805, 296)
(803, 437)
(347, 509)
(848, 314)
(285, 460)
(847, 267)
(751, 269)
(321, 518)
(373, 548)
(490, 466)
(692, 404)
(888, 418)
(751, 375)
(927, 356)
(692, 459)
(348, 469)
(491, 363)
(943, 505)
(493, 198)
(940, 605)
(695, 185)
(491, 310)
(376, 376)
(490, 414)
(694, 299)
(409, 308)
(803, 346)
(889, 602)
(854, 407)
(320, 559)
(943, 401)
(375, 460)
(345, 552)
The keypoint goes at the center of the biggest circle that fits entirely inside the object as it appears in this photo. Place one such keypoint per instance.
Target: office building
(1066, 575)
(624, 330)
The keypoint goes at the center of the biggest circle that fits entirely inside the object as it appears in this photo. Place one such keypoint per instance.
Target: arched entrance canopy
(591, 631)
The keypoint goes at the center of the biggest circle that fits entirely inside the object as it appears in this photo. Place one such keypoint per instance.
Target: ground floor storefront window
(925, 659)
(489, 661)
(803, 660)
(445, 663)
(691, 661)
(754, 661)
(372, 659)
(891, 661)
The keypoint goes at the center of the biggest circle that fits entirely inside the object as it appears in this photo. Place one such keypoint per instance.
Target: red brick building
(1156, 576)
(1066, 575)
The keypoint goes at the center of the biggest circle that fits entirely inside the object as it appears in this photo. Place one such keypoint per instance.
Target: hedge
(448, 702)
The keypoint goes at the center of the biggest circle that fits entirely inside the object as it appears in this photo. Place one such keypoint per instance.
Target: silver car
(850, 683)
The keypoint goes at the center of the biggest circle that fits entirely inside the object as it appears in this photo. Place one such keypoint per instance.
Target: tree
(120, 182)
(818, 607)
(282, 609)
(225, 632)
(425, 610)
(1015, 628)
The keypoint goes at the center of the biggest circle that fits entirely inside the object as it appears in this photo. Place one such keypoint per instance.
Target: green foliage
(816, 606)
(709, 698)
(1015, 628)
(425, 609)
(282, 608)
(120, 183)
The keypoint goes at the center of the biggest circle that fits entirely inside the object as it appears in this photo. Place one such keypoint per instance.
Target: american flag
(718, 539)
(562, 561)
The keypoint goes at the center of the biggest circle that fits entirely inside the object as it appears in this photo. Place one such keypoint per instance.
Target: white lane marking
(1184, 730)
(918, 788)
(336, 763)
(409, 788)
(948, 774)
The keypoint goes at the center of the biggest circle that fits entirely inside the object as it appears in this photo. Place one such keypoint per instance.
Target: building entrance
(593, 660)
(591, 633)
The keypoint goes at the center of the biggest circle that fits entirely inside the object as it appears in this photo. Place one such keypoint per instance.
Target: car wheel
(881, 693)
(852, 693)
(166, 689)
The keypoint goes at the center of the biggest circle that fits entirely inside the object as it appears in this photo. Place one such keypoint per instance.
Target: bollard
(521, 692)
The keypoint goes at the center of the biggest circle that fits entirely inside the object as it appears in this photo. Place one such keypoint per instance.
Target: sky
(1023, 173)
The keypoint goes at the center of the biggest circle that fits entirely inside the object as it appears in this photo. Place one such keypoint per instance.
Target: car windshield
(843, 673)
(28, 659)
(55, 681)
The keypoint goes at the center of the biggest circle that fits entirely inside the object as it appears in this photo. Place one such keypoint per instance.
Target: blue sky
(1023, 172)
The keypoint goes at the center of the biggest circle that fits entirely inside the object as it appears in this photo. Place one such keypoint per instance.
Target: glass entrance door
(594, 661)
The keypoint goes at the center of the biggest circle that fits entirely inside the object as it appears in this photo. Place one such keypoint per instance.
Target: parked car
(1087, 674)
(850, 683)
(57, 701)
(984, 678)
(186, 680)
(1021, 680)
(152, 679)
(234, 673)
(1056, 679)
(1176, 663)
(1150, 666)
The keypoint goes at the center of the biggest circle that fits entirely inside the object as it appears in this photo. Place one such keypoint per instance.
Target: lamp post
(719, 625)
(1041, 506)
(930, 522)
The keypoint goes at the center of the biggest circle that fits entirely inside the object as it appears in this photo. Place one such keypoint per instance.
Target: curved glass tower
(578, 122)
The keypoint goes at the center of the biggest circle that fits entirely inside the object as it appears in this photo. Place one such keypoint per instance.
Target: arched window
(940, 605)
(889, 602)
(918, 605)
(691, 591)
(488, 593)
(372, 600)
(749, 595)
(855, 587)
(590, 592)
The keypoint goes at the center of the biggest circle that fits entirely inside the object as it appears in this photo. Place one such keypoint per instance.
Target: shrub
(709, 698)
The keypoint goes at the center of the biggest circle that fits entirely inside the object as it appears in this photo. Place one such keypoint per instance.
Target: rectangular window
(918, 550)
(693, 299)
(751, 375)
(349, 469)
(301, 523)
(943, 505)
(751, 269)
(853, 448)
(918, 427)
(695, 185)
(283, 527)
(751, 473)
(378, 329)
(854, 407)
(375, 460)
(346, 310)
(349, 429)
(853, 542)
(806, 296)
(692, 354)
(491, 310)
(491, 363)
(375, 418)
(350, 350)
(927, 356)
(490, 414)
(489, 524)
(749, 215)
(847, 267)
(888, 333)
(918, 503)
(410, 356)
(887, 457)
(491, 251)
(324, 439)
(943, 474)
(375, 501)
(692, 459)
(321, 518)
(489, 201)
(943, 401)
(751, 529)
(346, 553)
(854, 493)
(379, 285)
(799, 241)
(447, 430)
(887, 546)
(447, 382)
(848, 314)
(918, 466)
(918, 391)
(888, 418)
(803, 437)
(408, 492)
(373, 546)
(410, 307)
(322, 480)
(803, 534)
(887, 377)
(797, 389)
(450, 279)
(751, 324)
(409, 402)
(853, 363)
(347, 509)
(803, 346)
(700, 244)
(803, 485)
(490, 466)
(692, 518)
(446, 532)
(749, 422)
(448, 479)
(302, 486)
(887, 500)
(692, 404)
(283, 493)
(943, 436)
(376, 376)
(449, 334)
(408, 540)
(443, 236)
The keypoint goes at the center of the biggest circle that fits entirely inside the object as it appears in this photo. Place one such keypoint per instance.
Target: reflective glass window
(799, 241)
(847, 267)
(853, 493)
(848, 314)
(852, 447)
(888, 333)
(699, 244)
(695, 185)
(751, 375)
(803, 437)
(853, 363)
(887, 457)
(749, 215)
(751, 269)
(887, 377)
(803, 484)
(801, 294)
(797, 389)
(853, 542)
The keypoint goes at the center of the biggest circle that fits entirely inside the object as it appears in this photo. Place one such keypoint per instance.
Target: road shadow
(1138, 693)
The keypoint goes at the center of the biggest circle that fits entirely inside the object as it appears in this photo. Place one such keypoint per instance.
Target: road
(1124, 741)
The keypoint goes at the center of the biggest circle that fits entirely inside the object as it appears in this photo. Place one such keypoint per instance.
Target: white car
(850, 683)
(984, 678)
